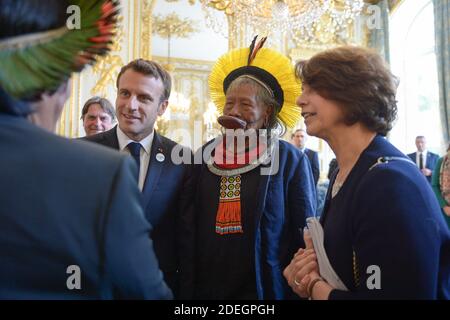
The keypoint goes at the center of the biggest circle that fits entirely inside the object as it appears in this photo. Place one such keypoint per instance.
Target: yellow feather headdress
(268, 66)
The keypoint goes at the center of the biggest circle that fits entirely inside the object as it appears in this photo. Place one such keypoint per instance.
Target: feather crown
(268, 66)
(40, 61)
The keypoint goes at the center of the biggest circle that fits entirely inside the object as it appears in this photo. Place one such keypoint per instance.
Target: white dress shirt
(424, 158)
(146, 147)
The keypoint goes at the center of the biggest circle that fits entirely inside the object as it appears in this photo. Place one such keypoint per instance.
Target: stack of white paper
(326, 270)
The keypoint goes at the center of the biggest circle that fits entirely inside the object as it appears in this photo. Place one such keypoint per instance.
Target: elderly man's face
(241, 102)
(96, 120)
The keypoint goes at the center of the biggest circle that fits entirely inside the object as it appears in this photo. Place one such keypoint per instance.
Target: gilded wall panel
(133, 40)
(186, 120)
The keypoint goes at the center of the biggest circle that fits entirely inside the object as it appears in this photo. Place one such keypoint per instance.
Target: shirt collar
(124, 140)
(424, 152)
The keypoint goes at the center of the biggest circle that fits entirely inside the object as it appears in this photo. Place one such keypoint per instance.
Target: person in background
(298, 139)
(384, 234)
(60, 237)
(441, 184)
(424, 159)
(98, 116)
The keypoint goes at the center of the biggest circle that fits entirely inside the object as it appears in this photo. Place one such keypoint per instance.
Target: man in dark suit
(63, 234)
(299, 138)
(425, 160)
(143, 89)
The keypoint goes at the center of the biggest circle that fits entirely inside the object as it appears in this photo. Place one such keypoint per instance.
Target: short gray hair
(104, 104)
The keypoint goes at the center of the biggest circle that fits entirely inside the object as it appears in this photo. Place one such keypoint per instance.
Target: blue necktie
(421, 161)
(135, 150)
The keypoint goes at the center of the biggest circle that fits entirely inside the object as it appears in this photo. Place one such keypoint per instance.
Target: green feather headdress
(41, 61)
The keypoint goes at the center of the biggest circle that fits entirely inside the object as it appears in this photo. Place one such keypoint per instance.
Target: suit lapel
(308, 155)
(110, 139)
(262, 193)
(154, 168)
(264, 185)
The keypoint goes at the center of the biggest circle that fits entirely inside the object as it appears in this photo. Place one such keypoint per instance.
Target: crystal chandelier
(303, 20)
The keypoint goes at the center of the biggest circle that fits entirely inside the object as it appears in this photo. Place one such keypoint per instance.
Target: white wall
(414, 62)
(204, 45)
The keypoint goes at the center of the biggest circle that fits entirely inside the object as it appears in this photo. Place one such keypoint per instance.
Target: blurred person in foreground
(61, 238)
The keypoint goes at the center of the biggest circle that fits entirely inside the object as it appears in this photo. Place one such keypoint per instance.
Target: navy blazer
(430, 163)
(313, 158)
(64, 203)
(167, 202)
(387, 216)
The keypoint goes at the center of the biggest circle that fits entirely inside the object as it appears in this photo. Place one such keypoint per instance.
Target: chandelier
(172, 26)
(303, 20)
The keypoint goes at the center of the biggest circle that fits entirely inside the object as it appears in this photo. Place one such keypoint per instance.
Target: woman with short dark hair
(384, 235)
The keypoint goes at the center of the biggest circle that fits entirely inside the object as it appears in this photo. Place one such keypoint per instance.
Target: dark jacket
(313, 158)
(167, 202)
(70, 203)
(388, 217)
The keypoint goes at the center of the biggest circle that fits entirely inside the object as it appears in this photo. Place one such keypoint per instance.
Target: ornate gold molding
(394, 4)
(172, 25)
(183, 60)
(146, 35)
(187, 65)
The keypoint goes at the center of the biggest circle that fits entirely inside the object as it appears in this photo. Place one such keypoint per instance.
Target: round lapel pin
(160, 157)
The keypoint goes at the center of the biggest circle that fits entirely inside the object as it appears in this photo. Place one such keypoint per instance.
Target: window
(413, 60)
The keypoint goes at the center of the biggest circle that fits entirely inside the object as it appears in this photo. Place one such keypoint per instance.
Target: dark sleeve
(315, 167)
(435, 184)
(396, 227)
(186, 235)
(434, 161)
(130, 263)
(302, 200)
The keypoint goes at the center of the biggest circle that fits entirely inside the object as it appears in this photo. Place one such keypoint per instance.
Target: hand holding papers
(326, 270)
